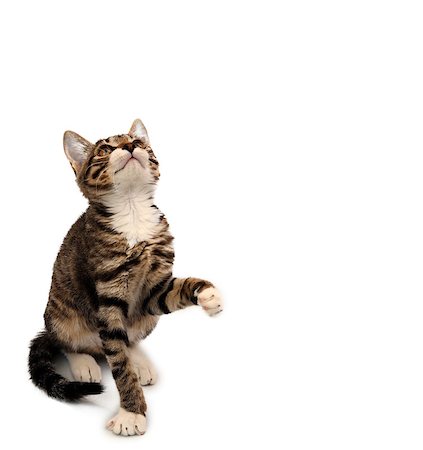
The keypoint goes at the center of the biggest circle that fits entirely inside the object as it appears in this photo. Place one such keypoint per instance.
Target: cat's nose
(129, 147)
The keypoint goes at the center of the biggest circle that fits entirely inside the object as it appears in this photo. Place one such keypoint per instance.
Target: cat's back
(71, 268)
(74, 243)
(72, 290)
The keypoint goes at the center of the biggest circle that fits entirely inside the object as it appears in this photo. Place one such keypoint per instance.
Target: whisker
(98, 178)
(94, 164)
(91, 165)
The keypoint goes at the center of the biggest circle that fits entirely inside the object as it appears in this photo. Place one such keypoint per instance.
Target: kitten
(112, 278)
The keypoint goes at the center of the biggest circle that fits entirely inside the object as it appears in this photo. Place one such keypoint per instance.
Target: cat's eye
(103, 151)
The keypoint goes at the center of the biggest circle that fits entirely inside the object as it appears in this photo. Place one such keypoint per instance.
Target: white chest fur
(133, 215)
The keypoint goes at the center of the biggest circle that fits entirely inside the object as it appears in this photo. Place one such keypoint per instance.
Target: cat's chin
(132, 174)
(131, 170)
(132, 164)
(127, 165)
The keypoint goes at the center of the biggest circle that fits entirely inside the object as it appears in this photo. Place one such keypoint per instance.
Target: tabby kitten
(112, 278)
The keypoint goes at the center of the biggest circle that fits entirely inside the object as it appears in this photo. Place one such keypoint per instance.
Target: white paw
(84, 367)
(143, 368)
(210, 300)
(127, 423)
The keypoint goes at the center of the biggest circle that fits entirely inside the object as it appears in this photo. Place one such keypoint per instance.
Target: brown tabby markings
(105, 294)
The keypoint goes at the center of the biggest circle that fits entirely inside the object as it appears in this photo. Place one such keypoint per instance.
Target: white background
(290, 141)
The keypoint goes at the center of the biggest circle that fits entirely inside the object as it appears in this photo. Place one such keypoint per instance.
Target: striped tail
(43, 350)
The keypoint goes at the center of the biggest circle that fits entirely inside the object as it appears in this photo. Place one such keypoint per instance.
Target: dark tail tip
(43, 350)
(75, 390)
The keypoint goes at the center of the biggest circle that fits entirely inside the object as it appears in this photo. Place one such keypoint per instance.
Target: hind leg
(84, 367)
(144, 370)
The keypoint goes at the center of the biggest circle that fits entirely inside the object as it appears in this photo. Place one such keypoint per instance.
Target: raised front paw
(210, 300)
(127, 423)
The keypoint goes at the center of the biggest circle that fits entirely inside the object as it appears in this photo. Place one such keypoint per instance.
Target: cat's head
(124, 162)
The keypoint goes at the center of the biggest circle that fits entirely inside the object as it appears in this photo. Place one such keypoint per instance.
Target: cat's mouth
(132, 160)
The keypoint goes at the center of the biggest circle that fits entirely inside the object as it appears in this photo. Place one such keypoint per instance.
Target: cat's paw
(145, 371)
(84, 367)
(210, 300)
(127, 423)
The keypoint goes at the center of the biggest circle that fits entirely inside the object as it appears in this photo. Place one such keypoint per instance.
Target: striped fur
(112, 278)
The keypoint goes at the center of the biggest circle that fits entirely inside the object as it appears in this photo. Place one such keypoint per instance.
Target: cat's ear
(138, 130)
(76, 149)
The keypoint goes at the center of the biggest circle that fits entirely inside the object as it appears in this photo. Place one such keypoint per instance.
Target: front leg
(112, 316)
(172, 294)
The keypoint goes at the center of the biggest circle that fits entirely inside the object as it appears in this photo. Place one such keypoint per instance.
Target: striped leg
(172, 294)
(111, 319)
